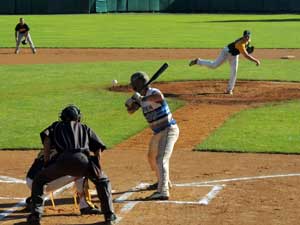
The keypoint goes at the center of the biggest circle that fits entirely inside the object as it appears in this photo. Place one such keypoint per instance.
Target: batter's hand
(137, 97)
(131, 105)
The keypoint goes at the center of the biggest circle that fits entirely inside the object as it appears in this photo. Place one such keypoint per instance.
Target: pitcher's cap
(246, 33)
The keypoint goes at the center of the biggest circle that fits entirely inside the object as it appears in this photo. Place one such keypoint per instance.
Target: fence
(181, 6)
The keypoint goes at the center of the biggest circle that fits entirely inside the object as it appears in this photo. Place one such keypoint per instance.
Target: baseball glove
(131, 105)
(24, 42)
(250, 49)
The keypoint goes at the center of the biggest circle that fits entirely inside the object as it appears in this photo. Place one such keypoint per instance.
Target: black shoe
(157, 196)
(193, 62)
(152, 186)
(110, 220)
(90, 211)
(33, 219)
(28, 202)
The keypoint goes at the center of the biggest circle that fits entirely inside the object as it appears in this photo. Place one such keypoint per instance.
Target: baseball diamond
(258, 185)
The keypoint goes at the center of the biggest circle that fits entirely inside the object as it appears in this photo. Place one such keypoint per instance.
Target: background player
(166, 132)
(22, 31)
(230, 52)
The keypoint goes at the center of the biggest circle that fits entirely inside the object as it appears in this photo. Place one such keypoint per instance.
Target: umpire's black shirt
(72, 137)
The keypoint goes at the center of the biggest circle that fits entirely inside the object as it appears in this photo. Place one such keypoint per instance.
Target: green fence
(186, 6)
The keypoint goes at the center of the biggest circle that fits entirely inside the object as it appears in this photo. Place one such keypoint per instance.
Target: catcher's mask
(70, 113)
(138, 81)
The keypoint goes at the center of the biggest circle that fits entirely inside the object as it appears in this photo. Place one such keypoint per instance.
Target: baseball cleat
(157, 196)
(155, 186)
(193, 62)
(110, 220)
(34, 51)
(152, 186)
(229, 92)
(90, 211)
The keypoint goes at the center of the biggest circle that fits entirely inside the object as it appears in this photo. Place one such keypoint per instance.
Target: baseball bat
(157, 74)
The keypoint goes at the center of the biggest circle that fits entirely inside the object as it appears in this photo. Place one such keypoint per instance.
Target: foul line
(195, 184)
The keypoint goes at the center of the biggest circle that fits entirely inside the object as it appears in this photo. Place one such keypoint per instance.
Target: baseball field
(236, 161)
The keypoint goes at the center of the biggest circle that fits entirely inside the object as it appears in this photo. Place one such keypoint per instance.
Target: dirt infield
(238, 189)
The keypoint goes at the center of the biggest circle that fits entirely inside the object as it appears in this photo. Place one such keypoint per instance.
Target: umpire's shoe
(110, 220)
(33, 219)
(90, 211)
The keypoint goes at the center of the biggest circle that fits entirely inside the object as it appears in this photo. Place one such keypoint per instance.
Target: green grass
(31, 96)
(273, 128)
(154, 30)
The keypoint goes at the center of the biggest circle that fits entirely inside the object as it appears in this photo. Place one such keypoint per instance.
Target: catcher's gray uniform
(22, 31)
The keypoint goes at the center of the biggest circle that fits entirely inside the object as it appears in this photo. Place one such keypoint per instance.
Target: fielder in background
(231, 52)
(166, 132)
(22, 31)
(74, 141)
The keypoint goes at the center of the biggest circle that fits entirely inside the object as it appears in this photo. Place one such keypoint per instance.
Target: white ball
(114, 82)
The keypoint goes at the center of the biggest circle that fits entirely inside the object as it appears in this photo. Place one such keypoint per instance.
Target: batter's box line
(130, 204)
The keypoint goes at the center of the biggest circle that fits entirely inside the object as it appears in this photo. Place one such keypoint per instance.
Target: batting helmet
(70, 113)
(139, 80)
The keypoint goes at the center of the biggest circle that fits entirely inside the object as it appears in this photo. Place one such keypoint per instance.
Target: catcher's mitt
(250, 49)
(132, 105)
(24, 42)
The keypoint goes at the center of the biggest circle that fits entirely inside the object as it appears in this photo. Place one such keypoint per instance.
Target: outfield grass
(154, 30)
(31, 96)
(273, 128)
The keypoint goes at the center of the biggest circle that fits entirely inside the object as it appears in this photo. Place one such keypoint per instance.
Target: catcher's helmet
(70, 113)
(138, 81)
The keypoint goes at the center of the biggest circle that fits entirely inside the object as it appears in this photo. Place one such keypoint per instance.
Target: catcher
(165, 131)
(231, 52)
(73, 141)
(81, 184)
(22, 31)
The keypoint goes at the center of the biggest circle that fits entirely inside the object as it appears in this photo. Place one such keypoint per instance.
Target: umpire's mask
(138, 81)
(70, 113)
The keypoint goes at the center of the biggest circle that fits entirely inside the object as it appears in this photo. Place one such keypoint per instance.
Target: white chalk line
(211, 195)
(195, 184)
(22, 202)
(130, 205)
(6, 179)
(13, 209)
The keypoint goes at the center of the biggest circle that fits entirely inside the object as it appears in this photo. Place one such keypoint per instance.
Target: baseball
(114, 83)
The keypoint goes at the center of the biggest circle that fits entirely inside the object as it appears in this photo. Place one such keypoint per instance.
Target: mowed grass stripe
(154, 30)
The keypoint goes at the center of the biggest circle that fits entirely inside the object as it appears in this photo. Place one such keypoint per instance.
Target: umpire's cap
(70, 113)
(138, 80)
(246, 33)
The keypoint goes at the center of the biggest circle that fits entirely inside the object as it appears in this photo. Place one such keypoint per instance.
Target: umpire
(74, 141)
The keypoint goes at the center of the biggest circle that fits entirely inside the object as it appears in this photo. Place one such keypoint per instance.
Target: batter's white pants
(233, 61)
(62, 181)
(160, 150)
(19, 39)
